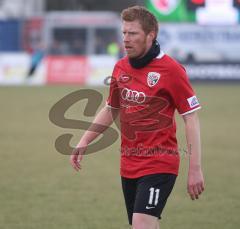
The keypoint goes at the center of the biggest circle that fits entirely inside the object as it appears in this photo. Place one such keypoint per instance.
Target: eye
(132, 33)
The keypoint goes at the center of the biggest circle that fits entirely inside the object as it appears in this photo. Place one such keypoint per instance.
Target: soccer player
(147, 87)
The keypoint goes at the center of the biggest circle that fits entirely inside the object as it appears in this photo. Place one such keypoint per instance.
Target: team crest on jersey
(153, 78)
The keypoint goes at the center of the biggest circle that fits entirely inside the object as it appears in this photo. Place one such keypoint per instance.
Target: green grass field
(39, 189)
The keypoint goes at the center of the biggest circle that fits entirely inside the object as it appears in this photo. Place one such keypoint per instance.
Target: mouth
(127, 48)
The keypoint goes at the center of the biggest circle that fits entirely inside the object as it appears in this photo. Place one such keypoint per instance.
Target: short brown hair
(146, 19)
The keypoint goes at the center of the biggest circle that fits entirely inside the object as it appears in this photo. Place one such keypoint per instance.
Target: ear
(152, 36)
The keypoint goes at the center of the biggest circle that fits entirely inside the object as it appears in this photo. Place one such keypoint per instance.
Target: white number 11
(151, 196)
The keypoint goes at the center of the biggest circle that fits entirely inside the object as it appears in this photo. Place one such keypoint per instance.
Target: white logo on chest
(133, 96)
(152, 78)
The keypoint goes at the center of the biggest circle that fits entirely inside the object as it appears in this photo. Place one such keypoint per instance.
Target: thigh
(152, 193)
(144, 221)
(129, 187)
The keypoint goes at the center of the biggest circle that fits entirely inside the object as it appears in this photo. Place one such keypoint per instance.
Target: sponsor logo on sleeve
(193, 101)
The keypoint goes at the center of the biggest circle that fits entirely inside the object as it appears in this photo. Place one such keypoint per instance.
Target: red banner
(67, 69)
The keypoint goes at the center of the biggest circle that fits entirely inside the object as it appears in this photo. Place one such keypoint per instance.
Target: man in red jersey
(147, 87)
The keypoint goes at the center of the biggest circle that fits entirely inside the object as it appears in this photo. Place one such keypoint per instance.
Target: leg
(129, 192)
(31, 71)
(143, 221)
(151, 196)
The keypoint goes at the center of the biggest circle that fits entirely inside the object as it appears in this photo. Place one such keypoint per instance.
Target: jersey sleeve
(113, 97)
(181, 91)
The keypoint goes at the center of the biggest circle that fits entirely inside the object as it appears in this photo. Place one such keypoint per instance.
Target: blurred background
(79, 41)
(50, 48)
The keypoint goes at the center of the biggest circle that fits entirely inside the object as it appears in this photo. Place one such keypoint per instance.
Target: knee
(143, 221)
(139, 223)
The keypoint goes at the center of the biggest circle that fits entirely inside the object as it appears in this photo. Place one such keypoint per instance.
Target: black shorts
(147, 194)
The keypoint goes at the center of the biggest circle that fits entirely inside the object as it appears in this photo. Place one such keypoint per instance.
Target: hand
(195, 183)
(77, 156)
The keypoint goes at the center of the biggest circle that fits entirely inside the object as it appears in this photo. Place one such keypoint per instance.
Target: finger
(200, 188)
(74, 162)
(195, 191)
(190, 192)
(75, 165)
(192, 196)
(77, 162)
(76, 158)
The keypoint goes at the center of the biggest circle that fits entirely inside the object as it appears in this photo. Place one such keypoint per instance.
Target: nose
(126, 38)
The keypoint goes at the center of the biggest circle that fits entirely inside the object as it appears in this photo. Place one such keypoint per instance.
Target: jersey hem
(109, 106)
(149, 173)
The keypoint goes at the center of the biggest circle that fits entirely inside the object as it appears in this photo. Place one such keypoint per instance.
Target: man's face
(136, 42)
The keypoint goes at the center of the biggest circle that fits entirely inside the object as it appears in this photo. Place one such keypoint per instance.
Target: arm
(195, 177)
(105, 118)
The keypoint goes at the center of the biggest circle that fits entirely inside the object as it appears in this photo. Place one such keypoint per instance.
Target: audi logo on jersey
(133, 96)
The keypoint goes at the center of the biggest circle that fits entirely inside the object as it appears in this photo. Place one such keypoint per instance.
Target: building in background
(90, 5)
(21, 8)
